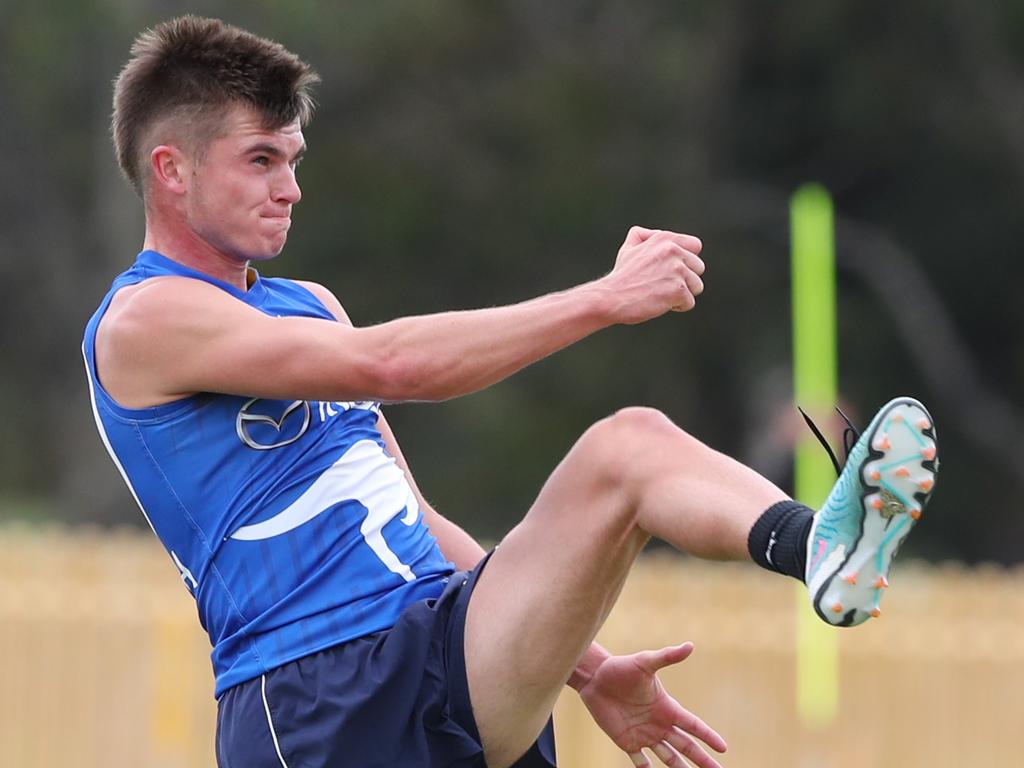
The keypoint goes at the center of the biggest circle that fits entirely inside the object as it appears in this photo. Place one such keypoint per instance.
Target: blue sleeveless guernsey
(291, 526)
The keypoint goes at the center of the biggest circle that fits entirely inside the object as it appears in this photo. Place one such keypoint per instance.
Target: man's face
(242, 190)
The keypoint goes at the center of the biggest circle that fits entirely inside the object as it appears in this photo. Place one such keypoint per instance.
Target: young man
(351, 623)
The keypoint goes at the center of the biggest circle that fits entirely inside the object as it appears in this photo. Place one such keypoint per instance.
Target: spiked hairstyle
(188, 72)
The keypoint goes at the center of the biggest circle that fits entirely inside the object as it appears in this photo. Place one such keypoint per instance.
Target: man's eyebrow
(274, 151)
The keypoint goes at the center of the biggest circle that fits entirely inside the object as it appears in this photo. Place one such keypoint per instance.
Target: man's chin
(267, 253)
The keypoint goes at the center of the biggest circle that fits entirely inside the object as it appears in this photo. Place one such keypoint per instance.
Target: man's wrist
(592, 658)
(601, 301)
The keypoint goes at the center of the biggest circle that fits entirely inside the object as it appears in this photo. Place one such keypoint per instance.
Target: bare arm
(456, 545)
(172, 337)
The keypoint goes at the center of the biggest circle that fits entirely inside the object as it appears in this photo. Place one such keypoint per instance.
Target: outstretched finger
(694, 726)
(640, 760)
(687, 746)
(668, 755)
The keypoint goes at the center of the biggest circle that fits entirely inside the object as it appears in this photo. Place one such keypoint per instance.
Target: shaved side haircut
(183, 77)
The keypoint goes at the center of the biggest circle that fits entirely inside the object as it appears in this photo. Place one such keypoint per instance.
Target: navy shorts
(395, 699)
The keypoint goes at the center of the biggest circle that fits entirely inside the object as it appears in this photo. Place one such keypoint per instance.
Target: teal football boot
(880, 494)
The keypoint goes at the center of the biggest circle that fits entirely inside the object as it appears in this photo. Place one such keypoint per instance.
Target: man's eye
(261, 160)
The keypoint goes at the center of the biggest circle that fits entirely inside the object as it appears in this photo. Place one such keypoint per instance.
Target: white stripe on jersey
(186, 575)
(106, 441)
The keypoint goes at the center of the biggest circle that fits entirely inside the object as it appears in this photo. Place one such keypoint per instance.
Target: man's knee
(622, 446)
(636, 426)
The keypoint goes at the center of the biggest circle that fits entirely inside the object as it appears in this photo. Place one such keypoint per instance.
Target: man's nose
(287, 190)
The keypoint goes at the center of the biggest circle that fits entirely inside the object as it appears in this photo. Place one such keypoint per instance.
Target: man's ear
(170, 168)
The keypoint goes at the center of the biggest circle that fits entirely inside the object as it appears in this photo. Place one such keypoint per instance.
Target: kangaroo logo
(262, 432)
(362, 474)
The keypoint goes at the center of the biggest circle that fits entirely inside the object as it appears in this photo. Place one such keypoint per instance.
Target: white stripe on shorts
(270, 722)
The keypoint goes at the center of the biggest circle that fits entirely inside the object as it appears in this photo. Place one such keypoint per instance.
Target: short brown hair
(192, 69)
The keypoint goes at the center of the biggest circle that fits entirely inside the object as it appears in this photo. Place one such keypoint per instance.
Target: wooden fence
(102, 663)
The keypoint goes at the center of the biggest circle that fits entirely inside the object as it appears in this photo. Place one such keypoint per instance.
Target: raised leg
(553, 580)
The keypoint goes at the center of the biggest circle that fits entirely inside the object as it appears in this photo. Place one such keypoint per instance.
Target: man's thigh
(541, 752)
(541, 600)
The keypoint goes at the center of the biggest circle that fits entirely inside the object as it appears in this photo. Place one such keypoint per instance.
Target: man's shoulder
(164, 294)
(141, 308)
(325, 297)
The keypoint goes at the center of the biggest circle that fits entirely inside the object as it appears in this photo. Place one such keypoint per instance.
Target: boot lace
(850, 437)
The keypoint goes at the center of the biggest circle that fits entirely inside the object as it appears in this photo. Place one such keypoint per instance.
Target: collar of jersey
(154, 264)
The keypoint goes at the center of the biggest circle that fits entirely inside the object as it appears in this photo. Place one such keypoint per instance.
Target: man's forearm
(436, 357)
(456, 545)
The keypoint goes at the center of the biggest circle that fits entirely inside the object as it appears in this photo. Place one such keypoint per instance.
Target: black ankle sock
(778, 540)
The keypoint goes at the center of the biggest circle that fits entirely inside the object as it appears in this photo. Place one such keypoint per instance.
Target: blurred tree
(473, 153)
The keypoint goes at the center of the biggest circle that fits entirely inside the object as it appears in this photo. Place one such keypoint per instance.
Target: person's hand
(655, 271)
(628, 702)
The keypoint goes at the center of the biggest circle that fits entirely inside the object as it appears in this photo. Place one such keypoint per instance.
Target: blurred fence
(102, 663)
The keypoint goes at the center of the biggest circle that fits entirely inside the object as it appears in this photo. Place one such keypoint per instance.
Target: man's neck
(195, 253)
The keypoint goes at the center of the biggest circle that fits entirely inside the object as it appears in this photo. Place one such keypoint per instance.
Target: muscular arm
(456, 545)
(171, 337)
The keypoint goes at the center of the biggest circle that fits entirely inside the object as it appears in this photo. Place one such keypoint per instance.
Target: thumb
(652, 661)
(637, 235)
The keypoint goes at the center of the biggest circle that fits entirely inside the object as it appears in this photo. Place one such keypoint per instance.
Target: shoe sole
(898, 478)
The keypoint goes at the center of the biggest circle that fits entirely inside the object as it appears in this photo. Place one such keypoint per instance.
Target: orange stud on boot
(876, 612)
(837, 607)
(851, 579)
(882, 583)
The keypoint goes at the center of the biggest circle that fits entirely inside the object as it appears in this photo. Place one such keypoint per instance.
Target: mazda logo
(262, 432)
